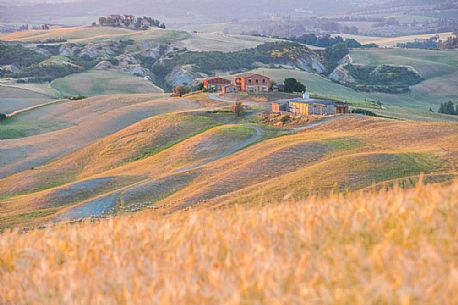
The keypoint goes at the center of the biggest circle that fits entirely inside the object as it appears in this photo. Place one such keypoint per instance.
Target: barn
(215, 84)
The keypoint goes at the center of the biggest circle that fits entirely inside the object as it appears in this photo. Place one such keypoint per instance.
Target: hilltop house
(215, 84)
(252, 83)
(310, 106)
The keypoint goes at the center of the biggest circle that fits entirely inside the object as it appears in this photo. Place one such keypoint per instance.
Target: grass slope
(378, 248)
(86, 122)
(103, 83)
(13, 98)
(437, 67)
(95, 34)
(169, 162)
(191, 41)
(346, 154)
(138, 141)
(414, 105)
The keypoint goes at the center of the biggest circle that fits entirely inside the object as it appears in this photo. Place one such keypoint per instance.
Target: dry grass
(396, 247)
(350, 153)
(135, 142)
(95, 34)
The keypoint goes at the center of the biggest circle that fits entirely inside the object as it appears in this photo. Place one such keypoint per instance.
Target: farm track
(91, 207)
(256, 171)
(18, 112)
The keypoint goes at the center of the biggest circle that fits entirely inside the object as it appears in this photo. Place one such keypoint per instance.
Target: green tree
(102, 20)
(237, 108)
(292, 85)
(447, 108)
(333, 54)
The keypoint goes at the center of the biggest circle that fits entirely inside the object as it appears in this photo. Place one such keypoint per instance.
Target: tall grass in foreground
(396, 247)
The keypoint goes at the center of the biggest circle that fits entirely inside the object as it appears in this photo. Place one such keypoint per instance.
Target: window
(257, 81)
(249, 81)
(263, 81)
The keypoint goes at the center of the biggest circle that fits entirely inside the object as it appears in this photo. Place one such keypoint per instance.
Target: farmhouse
(215, 84)
(252, 83)
(310, 106)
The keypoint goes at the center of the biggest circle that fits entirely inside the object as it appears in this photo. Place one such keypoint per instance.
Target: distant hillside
(175, 8)
(166, 57)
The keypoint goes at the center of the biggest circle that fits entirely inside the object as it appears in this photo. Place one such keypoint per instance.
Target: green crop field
(17, 128)
(21, 96)
(101, 83)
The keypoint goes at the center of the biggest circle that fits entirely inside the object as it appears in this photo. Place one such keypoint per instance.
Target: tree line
(448, 108)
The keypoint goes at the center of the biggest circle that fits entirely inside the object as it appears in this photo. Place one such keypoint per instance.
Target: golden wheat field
(390, 247)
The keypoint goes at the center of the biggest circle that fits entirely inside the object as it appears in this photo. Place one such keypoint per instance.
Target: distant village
(130, 21)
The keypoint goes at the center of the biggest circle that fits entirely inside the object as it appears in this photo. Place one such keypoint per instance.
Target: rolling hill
(93, 34)
(64, 127)
(129, 146)
(94, 83)
(181, 39)
(20, 96)
(185, 152)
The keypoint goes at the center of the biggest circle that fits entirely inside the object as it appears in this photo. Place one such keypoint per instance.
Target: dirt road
(103, 204)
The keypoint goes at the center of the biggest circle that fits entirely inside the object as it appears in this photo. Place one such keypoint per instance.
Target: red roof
(217, 81)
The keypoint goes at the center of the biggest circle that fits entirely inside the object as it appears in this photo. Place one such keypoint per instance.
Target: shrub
(237, 108)
(2, 116)
(364, 112)
(114, 61)
(77, 97)
(19, 56)
(180, 90)
(285, 119)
